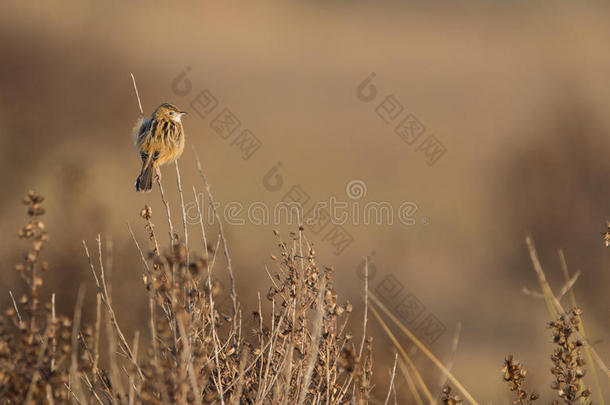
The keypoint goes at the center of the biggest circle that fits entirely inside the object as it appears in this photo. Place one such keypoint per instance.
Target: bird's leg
(158, 173)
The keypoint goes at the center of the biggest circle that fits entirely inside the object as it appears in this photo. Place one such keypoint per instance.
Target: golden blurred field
(517, 93)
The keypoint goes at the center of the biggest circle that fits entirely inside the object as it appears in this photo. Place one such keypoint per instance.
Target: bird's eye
(171, 113)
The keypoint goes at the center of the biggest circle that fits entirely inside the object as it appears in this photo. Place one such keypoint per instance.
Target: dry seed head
(448, 398)
(146, 212)
(567, 358)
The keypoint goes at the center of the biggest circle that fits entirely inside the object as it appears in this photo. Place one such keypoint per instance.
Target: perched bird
(160, 140)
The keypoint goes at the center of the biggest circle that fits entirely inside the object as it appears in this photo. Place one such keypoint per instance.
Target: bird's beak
(183, 112)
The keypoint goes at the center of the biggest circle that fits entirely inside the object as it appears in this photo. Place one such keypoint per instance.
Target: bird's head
(168, 111)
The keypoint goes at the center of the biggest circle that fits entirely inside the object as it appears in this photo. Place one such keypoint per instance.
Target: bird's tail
(145, 179)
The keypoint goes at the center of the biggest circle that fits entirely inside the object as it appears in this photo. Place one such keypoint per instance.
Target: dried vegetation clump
(567, 365)
(38, 348)
(515, 374)
(200, 346)
(568, 362)
(296, 350)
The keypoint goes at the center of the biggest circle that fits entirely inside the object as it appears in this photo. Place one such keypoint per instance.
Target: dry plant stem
(261, 335)
(50, 399)
(222, 238)
(239, 329)
(240, 385)
(132, 388)
(153, 332)
(87, 382)
(546, 289)
(302, 377)
(54, 345)
(288, 363)
(36, 376)
(285, 369)
(135, 87)
(365, 320)
(114, 375)
(365, 316)
(218, 379)
(454, 347)
(247, 369)
(83, 376)
(581, 327)
(74, 381)
(327, 393)
(302, 276)
(556, 306)
(171, 245)
(98, 319)
(187, 359)
(366, 304)
(344, 388)
(148, 272)
(313, 355)
(531, 293)
(184, 224)
(411, 383)
(393, 374)
(107, 296)
(73, 394)
(16, 307)
(568, 285)
(103, 290)
(151, 305)
(169, 214)
(423, 348)
(109, 262)
(96, 336)
(404, 354)
(263, 380)
(274, 329)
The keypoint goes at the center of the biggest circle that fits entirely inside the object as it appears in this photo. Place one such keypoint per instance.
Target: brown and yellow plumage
(160, 140)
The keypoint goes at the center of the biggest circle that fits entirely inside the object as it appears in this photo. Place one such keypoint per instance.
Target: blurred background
(509, 101)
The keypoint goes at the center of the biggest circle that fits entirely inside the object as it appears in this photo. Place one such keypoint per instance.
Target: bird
(160, 140)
